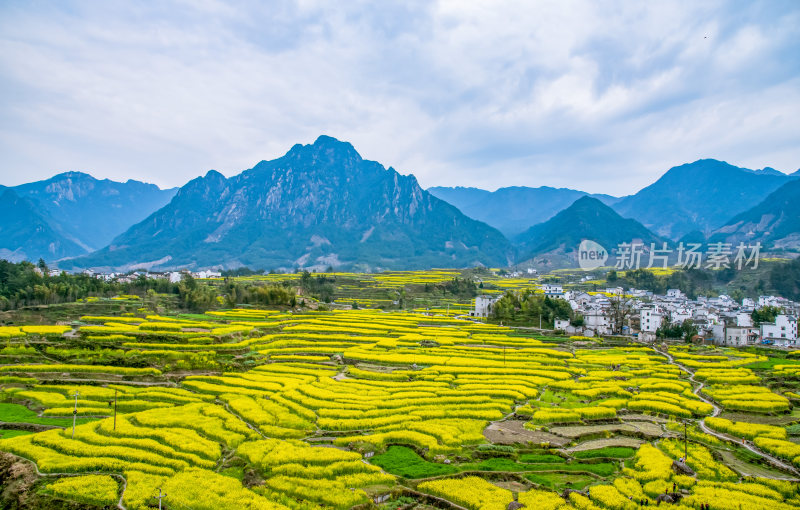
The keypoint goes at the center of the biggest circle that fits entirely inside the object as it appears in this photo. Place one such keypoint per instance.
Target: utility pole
(115, 409)
(685, 443)
(74, 413)
(160, 497)
(540, 321)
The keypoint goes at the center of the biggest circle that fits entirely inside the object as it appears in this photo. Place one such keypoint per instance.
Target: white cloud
(578, 94)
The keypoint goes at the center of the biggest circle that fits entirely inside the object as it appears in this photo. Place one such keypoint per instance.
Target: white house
(782, 332)
(483, 306)
(744, 319)
(680, 314)
(208, 274)
(650, 319)
(552, 290)
(734, 335)
(561, 324)
(675, 294)
(740, 336)
(768, 301)
(598, 321)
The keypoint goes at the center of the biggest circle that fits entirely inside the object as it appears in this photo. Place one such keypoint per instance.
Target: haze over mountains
(699, 196)
(773, 222)
(586, 218)
(322, 205)
(26, 234)
(79, 214)
(514, 209)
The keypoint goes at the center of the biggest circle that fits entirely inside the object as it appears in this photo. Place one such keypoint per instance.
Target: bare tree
(619, 311)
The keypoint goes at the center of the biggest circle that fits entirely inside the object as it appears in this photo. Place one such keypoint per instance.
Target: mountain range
(322, 205)
(586, 218)
(774, 222)
(700, 196)
(514, 209)
(91, 212)
(691, 198)
(72, 214)
(318, 206)
(26, 234)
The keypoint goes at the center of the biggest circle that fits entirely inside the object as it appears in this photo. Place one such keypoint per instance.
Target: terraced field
(248, 408)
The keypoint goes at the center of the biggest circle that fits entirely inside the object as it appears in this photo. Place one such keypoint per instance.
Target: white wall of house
(784, 328)
(767, 301)
(483, 306)
(597, 321)
(744, 319)
(552, 290)
(650, 320)
(561, 324)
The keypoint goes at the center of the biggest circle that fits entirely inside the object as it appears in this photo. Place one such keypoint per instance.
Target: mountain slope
(26, 234)
(698, 196)
(513, 209)
(775, 222)
(319, 205)
(586, 218)
(91, 211)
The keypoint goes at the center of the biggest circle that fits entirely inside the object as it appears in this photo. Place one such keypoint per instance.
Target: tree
(765, 314)
(42, 265)
(686, 330)
(619, 312)
(188, 280)
(151, 300)
(785, 279)
(527, 307)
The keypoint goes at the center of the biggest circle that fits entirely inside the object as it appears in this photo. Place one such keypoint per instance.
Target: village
(640, 313)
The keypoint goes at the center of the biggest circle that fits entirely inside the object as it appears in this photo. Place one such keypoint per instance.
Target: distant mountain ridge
(322, 205)
(699, 196)
(26, 234)
(774, 222)
(90, 211)
(587, 218)
(513, 209)
(319, 205)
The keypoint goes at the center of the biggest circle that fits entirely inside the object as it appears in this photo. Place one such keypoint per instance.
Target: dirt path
(514, 431)
(716, 411)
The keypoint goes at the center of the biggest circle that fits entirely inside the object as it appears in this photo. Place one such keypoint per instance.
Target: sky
(594, 95)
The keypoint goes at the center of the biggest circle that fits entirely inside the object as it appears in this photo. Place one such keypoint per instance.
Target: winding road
(774, 461)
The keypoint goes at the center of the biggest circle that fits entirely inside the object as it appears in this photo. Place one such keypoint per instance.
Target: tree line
(529, 308)
(26, 284)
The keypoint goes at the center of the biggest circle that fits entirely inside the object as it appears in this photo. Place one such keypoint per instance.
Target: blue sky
(594, 95)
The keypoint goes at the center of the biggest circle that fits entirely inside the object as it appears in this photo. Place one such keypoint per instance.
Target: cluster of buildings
(641, 313)
(172, 276)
